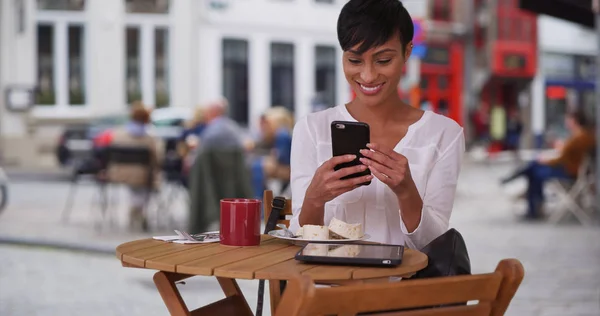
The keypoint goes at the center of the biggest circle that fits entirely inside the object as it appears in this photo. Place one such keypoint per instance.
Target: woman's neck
(379, 114)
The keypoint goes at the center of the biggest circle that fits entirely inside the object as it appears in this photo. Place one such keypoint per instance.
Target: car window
(168, 122)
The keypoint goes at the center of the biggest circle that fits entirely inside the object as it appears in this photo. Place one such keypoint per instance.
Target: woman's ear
(408, 51)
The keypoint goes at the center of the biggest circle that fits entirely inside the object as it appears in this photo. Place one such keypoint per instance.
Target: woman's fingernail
(369, 145)
(351, 157)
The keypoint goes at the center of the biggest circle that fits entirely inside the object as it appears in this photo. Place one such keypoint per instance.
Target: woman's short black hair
(371, 23)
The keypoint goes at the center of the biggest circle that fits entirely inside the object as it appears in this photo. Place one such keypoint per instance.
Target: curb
(23, 176)
(55, 244)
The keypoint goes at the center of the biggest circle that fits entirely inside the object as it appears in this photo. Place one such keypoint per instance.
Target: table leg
(232, 291)
(275, 294)
(165, 283)
(234, 302)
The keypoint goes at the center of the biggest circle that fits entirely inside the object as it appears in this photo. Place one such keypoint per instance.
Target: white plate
(278, 233)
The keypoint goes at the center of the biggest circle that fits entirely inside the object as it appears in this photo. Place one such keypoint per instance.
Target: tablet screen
(392, 252)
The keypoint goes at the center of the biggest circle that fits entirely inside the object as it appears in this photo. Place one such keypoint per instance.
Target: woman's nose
(368, 74)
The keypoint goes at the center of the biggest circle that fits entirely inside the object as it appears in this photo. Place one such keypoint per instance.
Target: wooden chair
(268, 205)
(493, 291)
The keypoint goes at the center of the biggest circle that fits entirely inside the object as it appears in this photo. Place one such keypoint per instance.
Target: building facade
(565, 79)
(84, 59)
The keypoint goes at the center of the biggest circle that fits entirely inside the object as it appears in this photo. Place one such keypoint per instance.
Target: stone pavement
(562, 263)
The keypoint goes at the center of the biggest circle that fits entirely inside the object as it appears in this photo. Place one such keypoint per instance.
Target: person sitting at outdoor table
(135, 135)
(565, 166)
(414, 156)
(274, 164)
(188, 139)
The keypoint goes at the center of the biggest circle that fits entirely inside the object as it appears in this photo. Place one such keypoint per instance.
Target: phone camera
(340, 126)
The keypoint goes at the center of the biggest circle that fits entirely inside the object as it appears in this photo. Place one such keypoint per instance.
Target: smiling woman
(414, 156)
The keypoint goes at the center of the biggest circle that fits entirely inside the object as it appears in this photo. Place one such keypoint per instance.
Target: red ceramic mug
(240, 222)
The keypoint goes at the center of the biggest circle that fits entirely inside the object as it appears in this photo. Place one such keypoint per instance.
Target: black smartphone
(350, 138)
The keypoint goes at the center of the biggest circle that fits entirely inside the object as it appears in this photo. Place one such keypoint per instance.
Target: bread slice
(345, 230)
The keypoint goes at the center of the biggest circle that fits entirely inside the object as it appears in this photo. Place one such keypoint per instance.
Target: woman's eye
(354, 61)
(383, 61)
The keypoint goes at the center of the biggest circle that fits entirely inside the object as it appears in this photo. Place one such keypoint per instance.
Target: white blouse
(434, 147)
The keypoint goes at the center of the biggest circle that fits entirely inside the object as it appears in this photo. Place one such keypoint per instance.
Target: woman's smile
(370, 89)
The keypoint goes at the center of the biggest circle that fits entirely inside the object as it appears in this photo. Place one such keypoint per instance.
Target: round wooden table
(273, 260)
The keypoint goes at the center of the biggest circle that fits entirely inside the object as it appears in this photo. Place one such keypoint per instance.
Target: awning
(576, 11)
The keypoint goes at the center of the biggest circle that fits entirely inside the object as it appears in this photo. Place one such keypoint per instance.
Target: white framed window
(61, 5)
(61, 55)
(236, 83)
(325, 74)
(282, 75)
(147, 60)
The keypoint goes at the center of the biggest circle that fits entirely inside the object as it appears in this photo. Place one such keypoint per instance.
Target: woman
(565, 166)
(415, 156)
(135, 176)
(276, 131)
(189, 137)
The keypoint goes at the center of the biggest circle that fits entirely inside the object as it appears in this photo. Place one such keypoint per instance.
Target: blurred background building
(68, 62)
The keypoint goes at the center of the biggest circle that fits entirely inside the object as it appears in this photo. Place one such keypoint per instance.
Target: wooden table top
(272, 260)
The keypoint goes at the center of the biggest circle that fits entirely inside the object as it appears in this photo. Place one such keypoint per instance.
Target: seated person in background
(189, 137)
(276, 129)
(414, 156)
(566, 165)
(134, 134)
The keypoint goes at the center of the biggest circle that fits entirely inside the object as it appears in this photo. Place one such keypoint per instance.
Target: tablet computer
(351, 254)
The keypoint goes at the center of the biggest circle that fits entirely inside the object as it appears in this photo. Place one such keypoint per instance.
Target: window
(558, 66)
(325, 83)
(61, 64)
(442, 10)
(147, 64)
(235, 78)
(76, 66)
(61, 54)
(161, 67)
(424, 84)
(443, 82)
(147, 6)
(133, 84)
(45, 61)
(282, 75)
(437, 56)
(588, 103)
(63, 5)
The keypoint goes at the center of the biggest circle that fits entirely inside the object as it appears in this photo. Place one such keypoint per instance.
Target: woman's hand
(326, 184)
(388, 166)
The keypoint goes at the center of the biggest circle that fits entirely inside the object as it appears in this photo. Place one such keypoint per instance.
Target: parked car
(77, 141)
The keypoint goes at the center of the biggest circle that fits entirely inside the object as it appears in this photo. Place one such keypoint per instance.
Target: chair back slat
(493, 292)
(268, 206)
(129, 155)
(407, 294)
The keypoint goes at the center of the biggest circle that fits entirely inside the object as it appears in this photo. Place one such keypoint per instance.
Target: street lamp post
(596, 9)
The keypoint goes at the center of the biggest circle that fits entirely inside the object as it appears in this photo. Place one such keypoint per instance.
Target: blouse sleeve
(303, 165)
(439, 196)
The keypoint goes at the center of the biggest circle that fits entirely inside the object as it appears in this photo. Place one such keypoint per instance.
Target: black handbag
(448, 256)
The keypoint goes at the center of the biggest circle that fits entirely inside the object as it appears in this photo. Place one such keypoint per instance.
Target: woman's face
(374, 75)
